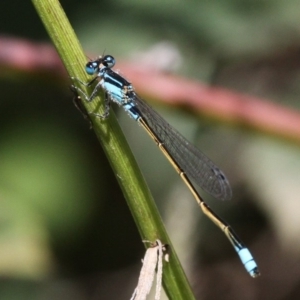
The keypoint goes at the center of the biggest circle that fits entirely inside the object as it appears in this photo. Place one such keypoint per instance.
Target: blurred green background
(65, 229)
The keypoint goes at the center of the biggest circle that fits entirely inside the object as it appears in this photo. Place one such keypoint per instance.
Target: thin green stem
(109, 133)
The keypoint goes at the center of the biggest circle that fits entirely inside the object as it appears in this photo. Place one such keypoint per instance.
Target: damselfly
(187, 160)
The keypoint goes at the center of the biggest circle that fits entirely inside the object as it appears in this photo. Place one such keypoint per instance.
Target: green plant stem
(109, 133)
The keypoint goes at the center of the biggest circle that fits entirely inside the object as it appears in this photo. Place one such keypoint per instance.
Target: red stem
(222, 104)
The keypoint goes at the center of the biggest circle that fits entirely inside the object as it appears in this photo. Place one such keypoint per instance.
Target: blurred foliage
(65, 229)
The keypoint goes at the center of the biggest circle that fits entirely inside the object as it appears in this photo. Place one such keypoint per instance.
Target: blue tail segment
(249, 262)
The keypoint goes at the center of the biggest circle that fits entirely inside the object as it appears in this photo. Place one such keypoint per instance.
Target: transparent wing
(192, 161)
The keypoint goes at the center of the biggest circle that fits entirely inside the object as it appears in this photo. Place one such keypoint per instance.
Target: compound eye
(91, 67)
(108, 61)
